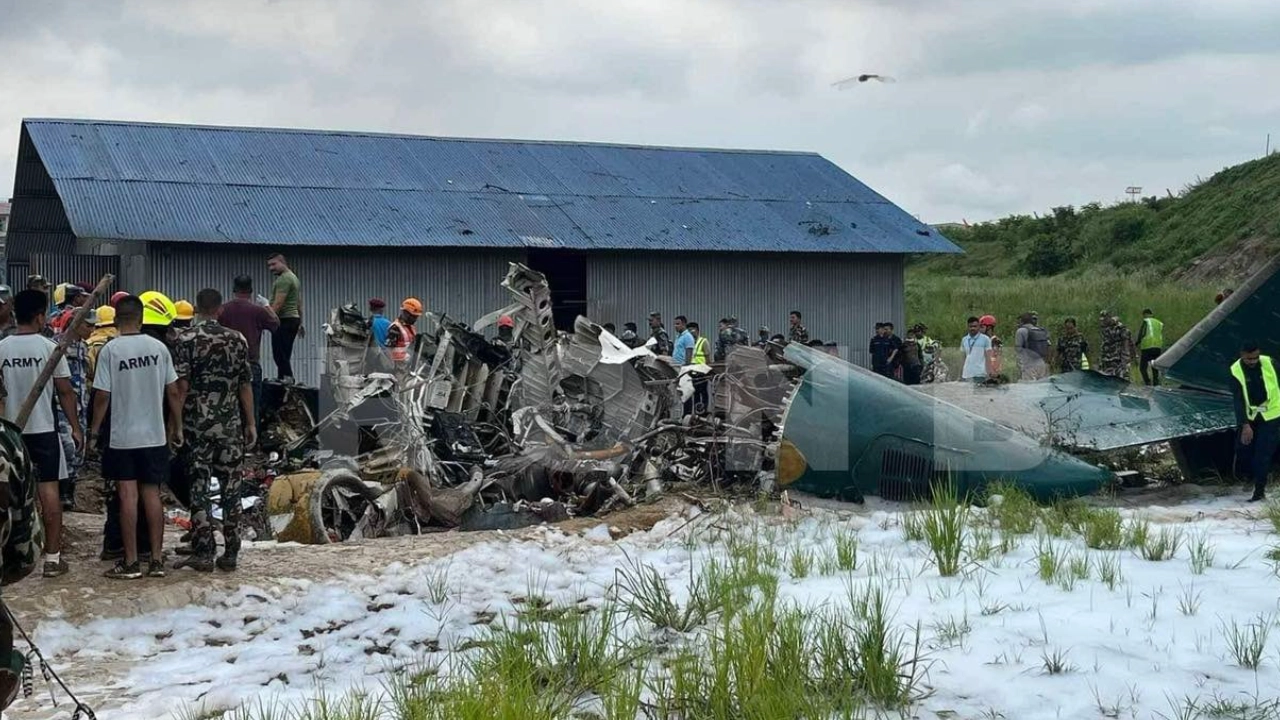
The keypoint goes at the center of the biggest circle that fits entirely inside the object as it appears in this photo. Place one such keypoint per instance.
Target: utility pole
(1133, 191)
(1268, 151)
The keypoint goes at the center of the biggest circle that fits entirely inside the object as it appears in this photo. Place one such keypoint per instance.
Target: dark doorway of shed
(566, 273)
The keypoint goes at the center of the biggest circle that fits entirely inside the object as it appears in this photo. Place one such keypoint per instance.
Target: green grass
(1015, 513)
(1103, 529)
(1158, 235)
(945, 525)
(943, 303)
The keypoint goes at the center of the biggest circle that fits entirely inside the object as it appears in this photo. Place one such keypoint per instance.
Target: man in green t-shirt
(286, 303)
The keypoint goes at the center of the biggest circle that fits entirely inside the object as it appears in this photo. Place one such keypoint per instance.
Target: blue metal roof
(146, 181)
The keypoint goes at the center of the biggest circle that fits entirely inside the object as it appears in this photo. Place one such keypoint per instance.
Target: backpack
(24, 542)
(1038, 341)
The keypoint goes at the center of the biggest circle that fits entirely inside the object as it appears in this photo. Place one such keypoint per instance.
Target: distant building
(619, 230)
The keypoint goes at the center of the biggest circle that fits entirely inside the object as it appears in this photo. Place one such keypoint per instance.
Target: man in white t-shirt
(22, 357)
(135, 378)
(975, 346)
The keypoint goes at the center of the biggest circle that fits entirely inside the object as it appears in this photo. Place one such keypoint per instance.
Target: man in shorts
(22, 357)
(135, 379)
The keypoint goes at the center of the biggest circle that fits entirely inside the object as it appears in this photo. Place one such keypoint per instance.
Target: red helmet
(117, 297)
(506, 321)
(987, 320)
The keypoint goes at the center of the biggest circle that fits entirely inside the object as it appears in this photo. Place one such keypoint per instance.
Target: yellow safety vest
(1154, 336)
(1270, 410)
(700, 351)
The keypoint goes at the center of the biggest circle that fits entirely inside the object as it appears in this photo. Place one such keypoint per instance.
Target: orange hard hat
(987, 320)
(413, 306)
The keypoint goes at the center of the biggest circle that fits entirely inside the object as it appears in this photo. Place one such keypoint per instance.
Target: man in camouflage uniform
(799, 333)
(77, 362)
(1117, 347)
(658, 333)
(1073, 349)
(21, 540)
(212, 363)
(8, 324)
(935, 369)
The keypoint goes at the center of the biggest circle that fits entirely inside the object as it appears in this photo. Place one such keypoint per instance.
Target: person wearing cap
(22, 358)
(724, 338)
(403, 332)
(762, 336)
(73, 298)
(117, 296)
(104, 329)
(77, 357)
(8, 325)
(212, 364)
(661, 341)
(37, 282)
(630, 335)
(739, 335)
(1117, 346)
(1031, 343)
(136, 381)
(378, 323)
(184, 315)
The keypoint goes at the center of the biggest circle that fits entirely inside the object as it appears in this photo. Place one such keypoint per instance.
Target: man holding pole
(23, 359)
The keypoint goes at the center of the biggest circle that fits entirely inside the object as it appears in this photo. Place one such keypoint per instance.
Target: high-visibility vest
(1270, 410)
(398, 343)
(700, 351)
(1154, 335)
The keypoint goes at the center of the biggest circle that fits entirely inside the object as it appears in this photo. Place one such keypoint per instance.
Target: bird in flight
(849, 82)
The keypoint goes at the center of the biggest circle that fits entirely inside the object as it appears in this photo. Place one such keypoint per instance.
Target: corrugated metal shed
(465, 284)
(176, 183)
(842, 297)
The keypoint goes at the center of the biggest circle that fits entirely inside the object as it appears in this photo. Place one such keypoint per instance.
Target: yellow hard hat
(106, 316)
(157, 309)
(184, 310)
(60, 294)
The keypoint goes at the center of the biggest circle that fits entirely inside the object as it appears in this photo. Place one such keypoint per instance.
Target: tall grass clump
(1103, 529)
(846, 551)
(1271, 511)
(1136, 533)
(1013, 509)
(1163, 545)
(1247, 643)
(1049, 559)
(1202, 553)
(645, 595)
(945, 523)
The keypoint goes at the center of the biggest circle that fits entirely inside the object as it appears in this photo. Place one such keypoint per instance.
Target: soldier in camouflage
(212, 363)
(8, 325)
(799, 333)
(1073, 349)
(658, 333)
(1117, 347)
(77, 362)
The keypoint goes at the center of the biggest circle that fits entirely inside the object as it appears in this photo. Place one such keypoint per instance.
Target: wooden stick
(58, 352)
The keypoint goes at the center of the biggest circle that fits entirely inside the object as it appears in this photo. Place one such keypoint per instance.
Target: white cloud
(1000, 106)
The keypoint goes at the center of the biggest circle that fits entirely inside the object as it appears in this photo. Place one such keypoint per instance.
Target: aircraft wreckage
(478, 431)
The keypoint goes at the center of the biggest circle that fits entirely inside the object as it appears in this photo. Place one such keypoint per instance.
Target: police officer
(212, 363)
(1255, 394)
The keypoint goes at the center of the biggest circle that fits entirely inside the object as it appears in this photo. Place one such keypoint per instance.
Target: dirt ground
(84, 594)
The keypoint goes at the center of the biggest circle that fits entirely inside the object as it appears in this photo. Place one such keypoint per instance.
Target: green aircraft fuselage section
(861, 434)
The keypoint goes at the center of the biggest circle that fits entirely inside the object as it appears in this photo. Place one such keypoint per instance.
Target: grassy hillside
(1237, 210)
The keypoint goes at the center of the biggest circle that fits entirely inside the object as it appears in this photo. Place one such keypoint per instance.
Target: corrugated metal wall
(842, 297)
(462, 283)
(57, 268)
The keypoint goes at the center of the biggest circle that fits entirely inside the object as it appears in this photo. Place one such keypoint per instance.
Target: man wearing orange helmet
(401, 334)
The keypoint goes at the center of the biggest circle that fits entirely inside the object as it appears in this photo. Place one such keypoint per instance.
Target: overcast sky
(1000, 106)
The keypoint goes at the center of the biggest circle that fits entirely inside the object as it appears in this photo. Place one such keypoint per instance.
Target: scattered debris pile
(531, 425)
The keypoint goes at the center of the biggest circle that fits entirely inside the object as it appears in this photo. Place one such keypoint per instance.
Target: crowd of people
(150, 386)
(918, 359)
